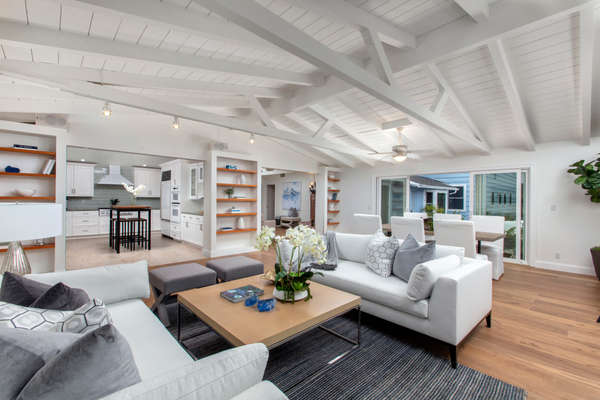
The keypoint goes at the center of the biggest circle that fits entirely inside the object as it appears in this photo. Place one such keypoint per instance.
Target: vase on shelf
(241, 224)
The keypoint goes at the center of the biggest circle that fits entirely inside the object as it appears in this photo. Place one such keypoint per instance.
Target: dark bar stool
(137, 230)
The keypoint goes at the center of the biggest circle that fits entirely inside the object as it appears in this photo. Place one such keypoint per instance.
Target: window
(456, 200)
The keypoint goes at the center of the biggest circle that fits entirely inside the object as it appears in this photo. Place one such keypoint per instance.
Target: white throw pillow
(424, 276)
(352, 246)
(380, 254)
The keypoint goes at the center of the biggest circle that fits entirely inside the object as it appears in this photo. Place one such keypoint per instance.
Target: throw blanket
(332, 254)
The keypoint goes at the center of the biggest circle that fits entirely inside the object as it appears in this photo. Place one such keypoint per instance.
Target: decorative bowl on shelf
(25, 192)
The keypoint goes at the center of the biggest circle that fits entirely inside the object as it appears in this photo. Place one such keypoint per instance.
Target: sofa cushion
(424, 276)
(61, 297)
(380, 254)
(406, 260)
(16, 289)
(29, 318)
(356, 278)
(154, 349)
(352, 247)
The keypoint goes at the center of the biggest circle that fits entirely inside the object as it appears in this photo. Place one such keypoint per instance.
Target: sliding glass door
(392, 195)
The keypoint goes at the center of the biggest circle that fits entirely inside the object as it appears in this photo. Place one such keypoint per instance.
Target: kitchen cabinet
(176, 175)
(191, 229)
(82, 223)
(155, 220)
(196, 181)
(80, 180)
(150, 178)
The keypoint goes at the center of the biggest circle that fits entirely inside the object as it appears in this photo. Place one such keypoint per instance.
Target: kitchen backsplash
(103, 195)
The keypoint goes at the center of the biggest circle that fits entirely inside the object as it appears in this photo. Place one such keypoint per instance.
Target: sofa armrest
(111, 284)
(217, 377)
(461, 299)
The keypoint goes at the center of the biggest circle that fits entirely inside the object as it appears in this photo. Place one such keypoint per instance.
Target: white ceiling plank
(586, 70)
(140, 81)
(121, 97)
(339, 157)
(396, 123)
(323, 129)
(368, 116)
(17, 33)
(440, 102)
(505, 72)
(267, 25)
(377, 55)
(479, 10)
(344, 12)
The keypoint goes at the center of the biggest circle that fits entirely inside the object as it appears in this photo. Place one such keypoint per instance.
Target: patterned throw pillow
(86, 318)
(20, 317)
(380, 254)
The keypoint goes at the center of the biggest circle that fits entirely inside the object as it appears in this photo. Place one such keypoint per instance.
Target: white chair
(422, 215)
(402, 226)
(459, 234)
(493, 250)
(366, 224)
(447, 217)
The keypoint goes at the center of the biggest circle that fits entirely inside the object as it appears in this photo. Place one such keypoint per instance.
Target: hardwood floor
(544, 335)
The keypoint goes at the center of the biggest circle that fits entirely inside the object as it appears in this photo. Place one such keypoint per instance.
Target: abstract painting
(291, 196)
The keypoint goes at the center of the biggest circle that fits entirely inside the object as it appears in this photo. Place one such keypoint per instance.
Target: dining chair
(446, 217)
(415, 215)
(402, 226)
(493, 250)
(366, 223)
(457, 233)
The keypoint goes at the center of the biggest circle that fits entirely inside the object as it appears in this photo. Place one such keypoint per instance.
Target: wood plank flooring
(544, 335)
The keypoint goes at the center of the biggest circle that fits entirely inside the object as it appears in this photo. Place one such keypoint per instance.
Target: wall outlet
(557, 256)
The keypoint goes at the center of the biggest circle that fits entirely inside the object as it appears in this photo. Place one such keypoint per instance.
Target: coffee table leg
(358, 327)
(178, 322)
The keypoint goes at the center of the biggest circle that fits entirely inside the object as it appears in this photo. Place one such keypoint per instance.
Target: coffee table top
(242, 325)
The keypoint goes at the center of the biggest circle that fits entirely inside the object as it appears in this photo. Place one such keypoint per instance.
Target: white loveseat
(166, 369)
(460, 300)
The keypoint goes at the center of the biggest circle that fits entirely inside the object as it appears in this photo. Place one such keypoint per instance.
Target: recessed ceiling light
(83, 160)
(175, 123)
(143, 165)
(106, 110)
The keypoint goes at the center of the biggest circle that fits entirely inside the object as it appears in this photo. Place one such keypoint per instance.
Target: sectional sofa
(460, 299)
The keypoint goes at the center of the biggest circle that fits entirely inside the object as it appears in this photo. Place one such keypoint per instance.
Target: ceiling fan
(399, 152)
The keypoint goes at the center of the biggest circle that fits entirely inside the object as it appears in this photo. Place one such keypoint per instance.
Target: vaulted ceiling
(340, 81)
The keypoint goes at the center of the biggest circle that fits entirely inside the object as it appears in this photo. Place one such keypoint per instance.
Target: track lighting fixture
(106, 111)
(175, 123)
(252, 138)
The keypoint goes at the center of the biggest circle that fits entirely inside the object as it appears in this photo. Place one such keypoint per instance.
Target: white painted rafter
(479, 10)
(378, 55)
(586, 70)
(28, 35)
(440, 102)
(507, 77)
(397, 123)
(324, 128)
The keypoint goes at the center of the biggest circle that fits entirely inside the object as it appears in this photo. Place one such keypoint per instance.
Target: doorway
(270, 202)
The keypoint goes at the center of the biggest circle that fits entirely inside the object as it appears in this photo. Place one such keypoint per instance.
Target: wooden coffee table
(241, 325)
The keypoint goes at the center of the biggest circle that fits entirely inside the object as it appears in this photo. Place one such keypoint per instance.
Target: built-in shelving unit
(30, 198)
(237, 171)
(26, 174)
(33, 247)
(244, 214)
(31, 162)
(236, 231)
(28, 151)
(236, 200)
(333, 201)
(328, 195)
(235, 185)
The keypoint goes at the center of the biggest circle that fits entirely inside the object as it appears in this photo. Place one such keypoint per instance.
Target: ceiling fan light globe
(399, 157)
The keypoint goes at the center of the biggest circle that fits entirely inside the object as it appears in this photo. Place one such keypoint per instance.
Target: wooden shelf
(333, 201)
(333, 223)
(237, 200)
(27, 174)
(34, 247)
(333, 179)
(236, 231)
(239, 171)
(28, 151)
(333, 190)
(333, 211)
(236, 185)
(243, 214)
(31, 198)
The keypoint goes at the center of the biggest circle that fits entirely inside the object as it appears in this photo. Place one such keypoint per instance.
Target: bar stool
(137, 233)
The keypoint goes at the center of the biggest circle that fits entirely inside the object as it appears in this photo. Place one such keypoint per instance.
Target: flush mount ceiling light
(251, 138)
(106, 111)
(175, 123)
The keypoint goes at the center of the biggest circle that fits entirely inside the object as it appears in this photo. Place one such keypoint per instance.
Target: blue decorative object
(251, 301)
(266, 305)
(12, 169)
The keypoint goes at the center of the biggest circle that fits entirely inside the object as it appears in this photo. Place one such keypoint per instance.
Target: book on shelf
(25, 146)
(48, 167)
(234, 210)
(225, 228)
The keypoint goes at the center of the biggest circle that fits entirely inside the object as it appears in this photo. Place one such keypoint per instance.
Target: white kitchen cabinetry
(155, 220)
(196, 181)
(176, 175)
(80, 180)
(150, 178)
(82, 223)
(191, 228)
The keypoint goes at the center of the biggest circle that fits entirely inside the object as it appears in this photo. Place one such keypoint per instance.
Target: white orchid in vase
(307, 246)
(133, 190)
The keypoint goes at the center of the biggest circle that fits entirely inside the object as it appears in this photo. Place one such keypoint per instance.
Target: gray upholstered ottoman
(168, 280)
(231, 268)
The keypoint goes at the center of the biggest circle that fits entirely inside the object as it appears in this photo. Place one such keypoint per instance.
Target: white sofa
(166, 369)
(460, 300)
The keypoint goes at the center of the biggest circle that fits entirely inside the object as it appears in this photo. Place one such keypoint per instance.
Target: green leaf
(581, 180)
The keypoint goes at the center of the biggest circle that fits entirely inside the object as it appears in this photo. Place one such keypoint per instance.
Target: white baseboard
(575, 269)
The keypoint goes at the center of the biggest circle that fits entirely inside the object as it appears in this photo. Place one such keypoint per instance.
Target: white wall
(558, 239)
(304, 178)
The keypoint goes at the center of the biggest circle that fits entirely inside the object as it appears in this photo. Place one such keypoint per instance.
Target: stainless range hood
(114, 177)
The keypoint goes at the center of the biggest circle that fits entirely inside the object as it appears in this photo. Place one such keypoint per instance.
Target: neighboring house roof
(422, 182)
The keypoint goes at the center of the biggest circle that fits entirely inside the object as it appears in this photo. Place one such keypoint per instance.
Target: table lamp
(31, 221)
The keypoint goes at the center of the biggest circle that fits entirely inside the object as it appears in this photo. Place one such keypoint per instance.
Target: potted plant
(291, 279)
(588, 177)
(228, 192)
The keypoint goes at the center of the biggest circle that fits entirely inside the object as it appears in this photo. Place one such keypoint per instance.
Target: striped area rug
(384, 367)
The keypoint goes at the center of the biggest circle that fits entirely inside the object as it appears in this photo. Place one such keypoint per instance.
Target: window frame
(464, 198)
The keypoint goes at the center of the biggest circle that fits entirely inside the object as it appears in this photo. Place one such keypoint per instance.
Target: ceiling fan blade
(413, 156)
(381, 154)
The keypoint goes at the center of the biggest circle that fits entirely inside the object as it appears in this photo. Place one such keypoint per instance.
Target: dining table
(132, 208)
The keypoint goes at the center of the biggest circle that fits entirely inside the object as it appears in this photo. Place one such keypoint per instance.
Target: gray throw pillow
(18, 290)
(61, 297)
(97, 364)
(23, 353)
(380, 254)
(406, 260)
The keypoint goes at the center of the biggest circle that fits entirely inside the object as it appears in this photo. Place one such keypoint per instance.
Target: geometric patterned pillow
(88, 317)
(34, 319)
(380, 254)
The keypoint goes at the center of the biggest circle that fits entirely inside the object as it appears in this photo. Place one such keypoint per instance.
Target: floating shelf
(333, 179)
(236, 185)
(243, 214)
(27, 174)
(31, 198)
(34, 247)
(28, 151)
(333, 223)
(333, 190)
(239, 171)
(236, 231)
(237, 200)
(333, 211)
(333, 201)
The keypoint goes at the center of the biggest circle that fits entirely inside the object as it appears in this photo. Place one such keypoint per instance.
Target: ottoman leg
(159, 305)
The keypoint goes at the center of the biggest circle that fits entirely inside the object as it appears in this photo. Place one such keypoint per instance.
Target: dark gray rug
(387, 365)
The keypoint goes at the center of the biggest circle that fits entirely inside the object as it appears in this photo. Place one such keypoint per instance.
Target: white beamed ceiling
(545, 58)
